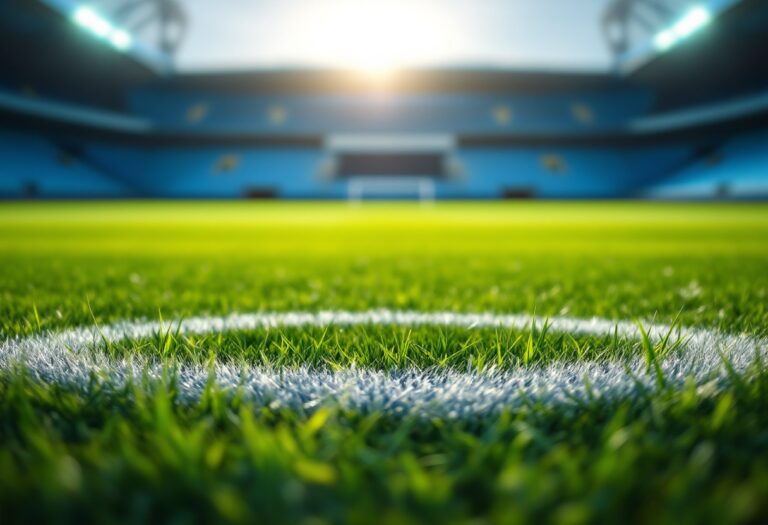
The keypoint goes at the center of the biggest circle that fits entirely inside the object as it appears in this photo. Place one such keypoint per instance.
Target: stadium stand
(33, 168)
(129, 127)
(738, 169)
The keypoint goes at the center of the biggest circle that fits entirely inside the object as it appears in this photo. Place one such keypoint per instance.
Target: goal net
(373, 188)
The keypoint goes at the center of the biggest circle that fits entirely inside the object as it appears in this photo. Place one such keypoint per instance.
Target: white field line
(74, 357)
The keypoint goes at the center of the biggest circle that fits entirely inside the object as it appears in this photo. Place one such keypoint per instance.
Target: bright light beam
(665, 40)
(695, 19)
(376, 37)
(102, 28)
(89, 19)
(121, 40)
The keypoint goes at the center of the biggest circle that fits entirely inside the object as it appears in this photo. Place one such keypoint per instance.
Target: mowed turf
(691, 455)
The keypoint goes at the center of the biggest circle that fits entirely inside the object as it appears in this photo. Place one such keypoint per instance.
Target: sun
(376, 37)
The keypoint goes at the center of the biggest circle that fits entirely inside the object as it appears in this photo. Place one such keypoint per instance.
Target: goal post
(419, 188)
(389, 166)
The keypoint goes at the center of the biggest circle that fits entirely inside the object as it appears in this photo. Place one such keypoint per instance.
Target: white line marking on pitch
(73, 357)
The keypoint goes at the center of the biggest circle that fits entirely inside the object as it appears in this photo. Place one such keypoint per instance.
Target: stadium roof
(51, 41)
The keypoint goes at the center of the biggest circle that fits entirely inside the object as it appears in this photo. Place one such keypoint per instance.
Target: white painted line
(74, 357)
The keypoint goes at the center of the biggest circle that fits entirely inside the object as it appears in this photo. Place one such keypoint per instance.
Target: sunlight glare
(376, 37)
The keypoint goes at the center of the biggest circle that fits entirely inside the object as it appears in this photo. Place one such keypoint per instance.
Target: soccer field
(325, 363)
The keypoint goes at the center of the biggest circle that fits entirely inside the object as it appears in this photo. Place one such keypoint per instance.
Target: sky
(379, 35)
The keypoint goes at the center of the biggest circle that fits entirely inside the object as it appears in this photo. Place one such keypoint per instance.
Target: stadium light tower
(164, 20)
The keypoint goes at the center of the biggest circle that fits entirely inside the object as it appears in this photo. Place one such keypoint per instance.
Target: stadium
(383, 262)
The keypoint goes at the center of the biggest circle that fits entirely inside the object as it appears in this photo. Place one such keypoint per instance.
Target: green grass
(694, 455)
(379, 347)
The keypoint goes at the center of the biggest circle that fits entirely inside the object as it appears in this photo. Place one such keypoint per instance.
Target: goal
(372, 188)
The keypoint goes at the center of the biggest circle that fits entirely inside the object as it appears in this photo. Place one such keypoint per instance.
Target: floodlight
(665, 40)
(100, 27)
(696, 18)
(84, 16)
(120, 39)
(91, 20)
(693, 20)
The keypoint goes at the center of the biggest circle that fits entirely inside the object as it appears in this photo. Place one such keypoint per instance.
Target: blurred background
(377, 99)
